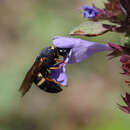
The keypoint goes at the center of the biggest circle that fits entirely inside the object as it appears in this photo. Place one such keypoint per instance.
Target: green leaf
(91, 28)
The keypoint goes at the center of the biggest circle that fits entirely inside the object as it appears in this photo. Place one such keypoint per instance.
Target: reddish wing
(30, 76)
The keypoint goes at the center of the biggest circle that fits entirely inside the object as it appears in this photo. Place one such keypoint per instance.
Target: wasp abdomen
(50, 87)
(46, 85)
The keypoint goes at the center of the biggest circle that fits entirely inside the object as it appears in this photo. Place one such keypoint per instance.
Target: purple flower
(80, 49)
(127, 101)
(89, 12)
(60, 75)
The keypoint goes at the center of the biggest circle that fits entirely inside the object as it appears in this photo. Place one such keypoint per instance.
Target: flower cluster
(124, 52)
(117, 12)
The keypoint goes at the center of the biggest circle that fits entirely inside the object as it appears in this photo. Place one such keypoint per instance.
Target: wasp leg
(58, 60)
(42, 59)
(56, 68)
(51, 80)
(39, 74)
(40, 82)
(40, 79)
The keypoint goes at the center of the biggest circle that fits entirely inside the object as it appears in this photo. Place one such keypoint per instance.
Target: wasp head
(63, 51)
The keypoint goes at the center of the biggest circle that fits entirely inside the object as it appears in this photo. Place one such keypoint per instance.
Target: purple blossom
(60, 74)
(80, 49)
(89, 12)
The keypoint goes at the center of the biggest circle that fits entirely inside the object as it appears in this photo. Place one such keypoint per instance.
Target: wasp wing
(30, 76)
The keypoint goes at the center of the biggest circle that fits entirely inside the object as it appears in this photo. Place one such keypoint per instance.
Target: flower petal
(85, 50)
(60, 75)
(80, 49)
(125, 58)
(125, 109)
(65, 42)
(89, 11)
(127, 101)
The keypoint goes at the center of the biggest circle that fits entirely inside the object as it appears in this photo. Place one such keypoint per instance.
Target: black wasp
(40, 74)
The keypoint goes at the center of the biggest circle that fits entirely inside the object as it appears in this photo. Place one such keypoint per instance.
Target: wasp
(40, 71)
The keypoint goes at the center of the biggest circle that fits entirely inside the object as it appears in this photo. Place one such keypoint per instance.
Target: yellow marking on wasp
(52, 47)
(39, 75)
(58, 60)
(42, 59)
(58, 67)
(40, 82)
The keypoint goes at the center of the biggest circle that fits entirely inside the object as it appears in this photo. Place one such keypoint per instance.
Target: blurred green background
(95, 85)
